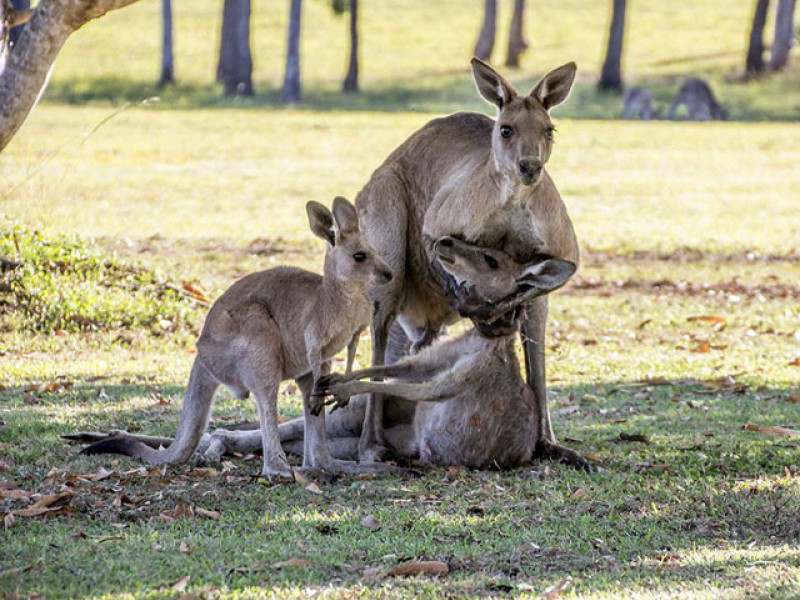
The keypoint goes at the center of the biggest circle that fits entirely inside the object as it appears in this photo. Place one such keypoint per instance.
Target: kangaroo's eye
(506, 131)
(359, 257)
(548, 134)
(490, 261)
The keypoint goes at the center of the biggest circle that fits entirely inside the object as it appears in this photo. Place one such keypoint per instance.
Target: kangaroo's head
(350, 256)
(522, 139)
(492, 275)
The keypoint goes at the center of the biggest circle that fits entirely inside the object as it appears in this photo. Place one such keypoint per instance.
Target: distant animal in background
(701, 104)
(639, 104)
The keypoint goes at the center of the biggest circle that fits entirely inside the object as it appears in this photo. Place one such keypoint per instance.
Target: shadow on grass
(769, 98)
(702, 501)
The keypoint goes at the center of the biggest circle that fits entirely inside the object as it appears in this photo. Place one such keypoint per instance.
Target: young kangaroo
(474, 407)
(283, 323)
(701, 105)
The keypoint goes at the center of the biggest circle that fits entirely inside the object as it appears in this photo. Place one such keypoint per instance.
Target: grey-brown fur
(639, 104)
(283, 323)
(458, 176)
(698, 98)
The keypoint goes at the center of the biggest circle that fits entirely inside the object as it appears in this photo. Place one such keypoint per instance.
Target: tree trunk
(485, 43)
(167, 61)
(15, 32)
(755, 50)
(784, 32)
(351, 80)
(235, 67)
(611, 75)
(291, 91)
(26, 69)
(517, 44)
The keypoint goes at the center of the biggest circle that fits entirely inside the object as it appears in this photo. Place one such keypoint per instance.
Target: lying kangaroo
(639, 104)
(274, 325)
(475, 409)
(477, 179)
(701, 105)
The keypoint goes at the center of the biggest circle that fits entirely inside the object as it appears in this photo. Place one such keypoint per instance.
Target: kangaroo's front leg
(533, 330)
(438, 390)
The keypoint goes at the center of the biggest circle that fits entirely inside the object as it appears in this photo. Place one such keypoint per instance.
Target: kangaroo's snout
(530, 170)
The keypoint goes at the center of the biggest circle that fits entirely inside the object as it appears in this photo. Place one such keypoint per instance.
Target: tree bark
(754, 63)
(291, 91)
(26, 68)
(485, 43)
(784, 32)
(235, 67)
(13, 36)
(351, 80)
(517, 44)
(167, 59)
(611, 75)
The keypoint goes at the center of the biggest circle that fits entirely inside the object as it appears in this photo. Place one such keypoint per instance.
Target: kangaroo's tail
(194, 419)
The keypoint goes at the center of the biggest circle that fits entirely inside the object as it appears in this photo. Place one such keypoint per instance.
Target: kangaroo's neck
(337, 292)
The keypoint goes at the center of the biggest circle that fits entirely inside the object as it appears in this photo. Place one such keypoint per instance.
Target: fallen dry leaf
(184, 548)
(195, 292)
(208, 514)
(555, 591)
(16, 494)
(23, 569)
(593, 458)
(634, 437)
(8, 520)
(293, 562)
(703, 347)
(314, 488)
(7, 463)
(708, 319)
(795, 362)
(51, 499)
(419, 567)
(181, 584)
(579, 493)
(793, 398)
(772, 430)
(36, 512)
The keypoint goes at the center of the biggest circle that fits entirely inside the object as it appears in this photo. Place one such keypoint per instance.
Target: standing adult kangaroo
(482, 181)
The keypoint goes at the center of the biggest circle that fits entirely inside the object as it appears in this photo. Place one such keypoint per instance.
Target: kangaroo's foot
(550, 450)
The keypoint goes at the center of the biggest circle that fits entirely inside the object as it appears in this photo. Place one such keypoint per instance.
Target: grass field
(676, 221)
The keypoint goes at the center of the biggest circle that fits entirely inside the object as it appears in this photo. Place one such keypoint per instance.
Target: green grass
(675, 220)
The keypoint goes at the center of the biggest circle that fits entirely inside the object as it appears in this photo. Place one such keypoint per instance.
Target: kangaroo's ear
(320, 220)
(344, 216)
(492, 86)
(546, 275)
(554, 87)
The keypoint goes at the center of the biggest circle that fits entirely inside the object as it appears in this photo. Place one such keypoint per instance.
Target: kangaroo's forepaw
(552, 451)
(372, 453)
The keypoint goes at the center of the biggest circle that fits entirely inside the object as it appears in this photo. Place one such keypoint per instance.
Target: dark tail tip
(124, 446)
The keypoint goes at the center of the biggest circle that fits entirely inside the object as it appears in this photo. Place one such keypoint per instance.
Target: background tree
(517, 44)
(291, 91)
(167, 59)
(235, 67)
(784, 32)
(485, 43)
(611, 75)
(754, 63)
(350, 83)
(25, 71)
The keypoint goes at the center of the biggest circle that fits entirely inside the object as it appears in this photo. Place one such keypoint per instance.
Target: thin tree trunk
(235, 67)
(167, 59)
(485, 43)
(784, 32)
(351, 80)
(517, 44)
(15, 32)
(754, 63)
(611, 75)
(26, 69)
(291, 91)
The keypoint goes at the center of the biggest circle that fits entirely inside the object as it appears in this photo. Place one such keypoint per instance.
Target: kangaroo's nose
(530, 169)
